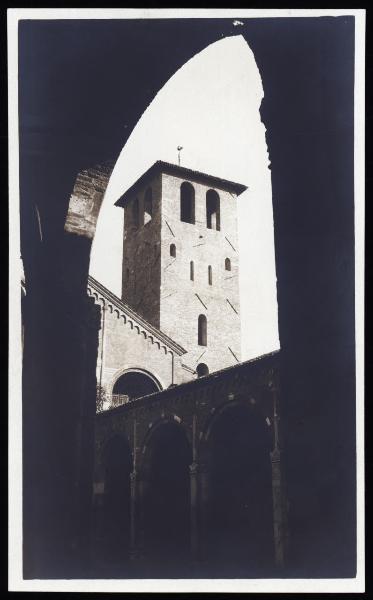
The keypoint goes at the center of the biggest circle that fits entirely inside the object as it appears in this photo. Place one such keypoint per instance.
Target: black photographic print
(186, 300)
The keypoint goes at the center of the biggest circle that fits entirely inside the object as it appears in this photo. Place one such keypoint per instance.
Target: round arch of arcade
(234, 458)
(251, 402)
(164, 468)
(154, 428)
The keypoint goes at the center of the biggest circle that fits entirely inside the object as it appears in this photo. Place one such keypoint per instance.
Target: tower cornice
(184, 173)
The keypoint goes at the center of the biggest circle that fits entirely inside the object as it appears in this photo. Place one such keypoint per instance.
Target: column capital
(275, 455)
(194, 468)
(273, 385)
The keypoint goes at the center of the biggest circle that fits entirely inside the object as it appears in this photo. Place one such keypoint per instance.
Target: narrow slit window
(202, 330)
(191, 267)
(227, 264)
(148, 206)
(213, 210)
(173, 250)
(187, 203)
(210, 274)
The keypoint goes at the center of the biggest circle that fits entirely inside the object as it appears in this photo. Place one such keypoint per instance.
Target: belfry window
(212, 210)
(210, 274)
(202, 330)
(191, 267)
(227, 264)
(187, 203)
(173, 250)
(148, 206)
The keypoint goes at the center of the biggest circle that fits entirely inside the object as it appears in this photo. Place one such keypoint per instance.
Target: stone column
(277, 508)
(277, 491)
(199, 497)
(85, 432)
(59, 398)
(204, 497)
(134, 516)
(139, 490)
(59, 389)
(194, 520)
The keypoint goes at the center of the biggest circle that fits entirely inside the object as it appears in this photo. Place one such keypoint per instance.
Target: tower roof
(171, 169)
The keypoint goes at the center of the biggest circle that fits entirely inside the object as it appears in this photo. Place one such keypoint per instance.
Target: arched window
(202, 330)
(202, 370)
(187, 203)
(148, 206)
(135, 384)
(210, 274)
(213, 210)
(135, 213)
(191, 270)
(173, 250)
(227, 264)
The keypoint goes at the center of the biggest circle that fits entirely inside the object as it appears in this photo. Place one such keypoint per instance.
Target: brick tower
(180, 261)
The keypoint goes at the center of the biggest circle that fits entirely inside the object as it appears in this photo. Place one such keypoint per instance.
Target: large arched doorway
(166, 504)
(240, 522)
(135, 384)
(115, 512)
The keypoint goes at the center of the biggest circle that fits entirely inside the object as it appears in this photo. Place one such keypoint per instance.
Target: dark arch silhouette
(187, 203)
(227, 264)
(202, 370)
(282, 48)
(173, 250)
(239, 533)
(166, 504)
(135, 384)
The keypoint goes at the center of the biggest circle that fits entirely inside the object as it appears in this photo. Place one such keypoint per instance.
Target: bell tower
(181, 261)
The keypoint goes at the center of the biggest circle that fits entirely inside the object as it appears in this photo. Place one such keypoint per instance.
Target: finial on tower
(179, 148)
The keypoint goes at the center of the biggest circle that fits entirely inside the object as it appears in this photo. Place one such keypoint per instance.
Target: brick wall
(86, 198)
(180, 305)
(126, 344)
(141, 256)
(158, 285)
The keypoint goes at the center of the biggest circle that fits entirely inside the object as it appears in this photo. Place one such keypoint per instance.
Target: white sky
(211, 108)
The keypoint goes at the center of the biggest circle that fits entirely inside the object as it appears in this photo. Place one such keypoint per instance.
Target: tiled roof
(217, 377)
